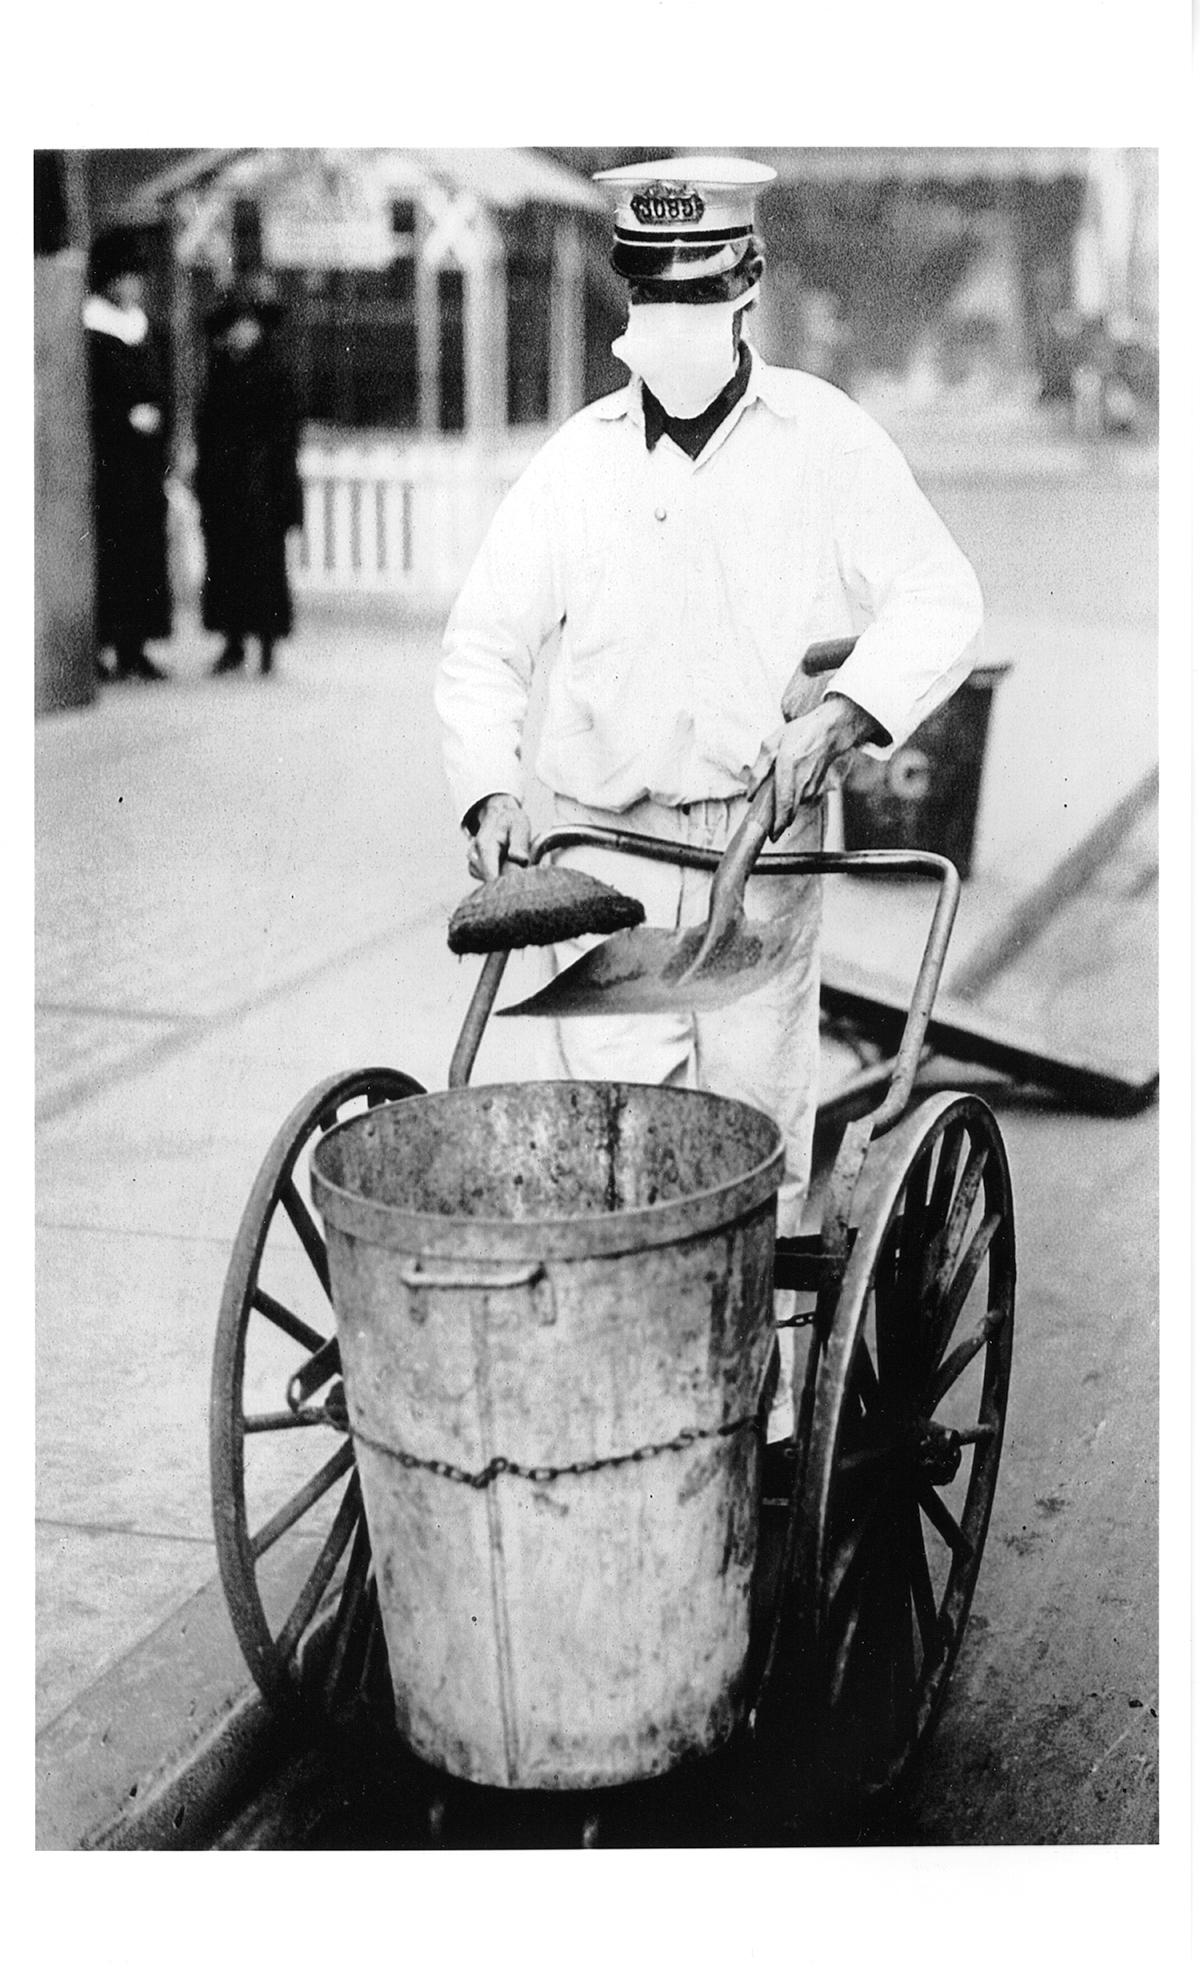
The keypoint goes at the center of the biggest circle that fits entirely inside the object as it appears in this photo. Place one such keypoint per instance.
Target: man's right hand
(502, 830)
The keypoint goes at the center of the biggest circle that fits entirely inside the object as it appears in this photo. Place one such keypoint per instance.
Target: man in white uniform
(678, 545)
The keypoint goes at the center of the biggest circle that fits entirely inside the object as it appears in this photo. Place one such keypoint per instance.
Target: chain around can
(481, 1478)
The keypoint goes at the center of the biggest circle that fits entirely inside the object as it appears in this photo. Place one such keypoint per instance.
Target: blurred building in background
(443, 311)
(924, 276)
(427, 292)
(446, 309)
(952, 271)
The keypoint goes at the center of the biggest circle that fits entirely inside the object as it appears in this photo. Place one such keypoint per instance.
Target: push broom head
(534, 907)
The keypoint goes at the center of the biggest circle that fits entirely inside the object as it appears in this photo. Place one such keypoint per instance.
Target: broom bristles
(535, 907)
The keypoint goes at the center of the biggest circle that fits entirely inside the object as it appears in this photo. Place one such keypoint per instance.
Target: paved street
(244, 885)
(1051, 1733)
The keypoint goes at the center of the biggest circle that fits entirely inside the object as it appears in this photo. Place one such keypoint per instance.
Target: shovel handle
(737, 862)
(825, 656)
(729, 881)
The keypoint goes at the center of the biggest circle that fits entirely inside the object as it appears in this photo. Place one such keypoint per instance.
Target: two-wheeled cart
(871, 1516)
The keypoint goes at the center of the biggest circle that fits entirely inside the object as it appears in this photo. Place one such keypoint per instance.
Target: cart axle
(938, 1453)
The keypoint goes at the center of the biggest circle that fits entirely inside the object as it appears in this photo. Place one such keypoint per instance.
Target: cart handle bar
(796, 864)
(779, 864)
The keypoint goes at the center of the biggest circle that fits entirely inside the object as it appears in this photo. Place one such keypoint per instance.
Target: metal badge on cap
(660, 204)
(683, 219)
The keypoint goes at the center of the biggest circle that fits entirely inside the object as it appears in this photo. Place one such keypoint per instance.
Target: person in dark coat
(129, 460)
(247, 482)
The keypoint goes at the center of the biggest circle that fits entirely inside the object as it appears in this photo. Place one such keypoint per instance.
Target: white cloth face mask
(683, 351)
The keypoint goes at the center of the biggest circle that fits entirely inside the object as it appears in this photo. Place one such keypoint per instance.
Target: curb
(161, 1750)
(1037, 907)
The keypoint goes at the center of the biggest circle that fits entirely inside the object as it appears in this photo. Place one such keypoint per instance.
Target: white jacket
(685, 592)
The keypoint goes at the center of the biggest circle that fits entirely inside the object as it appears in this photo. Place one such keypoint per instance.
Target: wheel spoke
(274, 1423)
(943, 1320)
(912, 1226)
(847, 1560)
(849, 1554)
(861, 1625)
(960, 1358)
(352, 1621)
(944, 1251)
(864, 1380)
(941, 1196)
(924, 1602)
(841, 1663)
(945, 1525)
(902, 1670)
(864, 1462)
(318, 1578)
(306, 1229)
(303, 1500)
(900, 1302)
(285, 1320)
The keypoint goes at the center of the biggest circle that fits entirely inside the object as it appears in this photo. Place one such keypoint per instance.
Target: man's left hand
(811, 747)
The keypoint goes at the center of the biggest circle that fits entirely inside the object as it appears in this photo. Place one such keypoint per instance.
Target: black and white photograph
(599, 1148)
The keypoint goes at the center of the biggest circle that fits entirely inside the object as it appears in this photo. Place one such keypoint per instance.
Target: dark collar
(693, 435)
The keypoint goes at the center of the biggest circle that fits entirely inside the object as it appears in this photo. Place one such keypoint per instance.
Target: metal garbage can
(555, 1314)
(926, 797)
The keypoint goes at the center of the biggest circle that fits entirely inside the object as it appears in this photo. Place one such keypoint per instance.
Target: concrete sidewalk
(1073, 729)
(244, 885)
(241, 886)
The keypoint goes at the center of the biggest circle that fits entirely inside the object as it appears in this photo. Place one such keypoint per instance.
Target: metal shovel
(648, 969)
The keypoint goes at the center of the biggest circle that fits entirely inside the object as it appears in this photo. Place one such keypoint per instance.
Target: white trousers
(763, 1049)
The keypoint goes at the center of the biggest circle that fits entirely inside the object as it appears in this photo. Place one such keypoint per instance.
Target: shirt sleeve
(911, 585)
(505, 612)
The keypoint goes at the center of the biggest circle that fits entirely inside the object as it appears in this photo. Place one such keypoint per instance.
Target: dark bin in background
(926, 798)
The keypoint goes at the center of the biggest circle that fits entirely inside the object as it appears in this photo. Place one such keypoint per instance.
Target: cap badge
(660, 204)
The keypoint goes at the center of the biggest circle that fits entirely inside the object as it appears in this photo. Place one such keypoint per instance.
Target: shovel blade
(644, 971)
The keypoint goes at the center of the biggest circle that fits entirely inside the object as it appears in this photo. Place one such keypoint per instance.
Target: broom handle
(482, 1002)
(475, 1021)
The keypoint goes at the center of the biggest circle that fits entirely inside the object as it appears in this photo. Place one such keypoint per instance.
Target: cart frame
(891, 1334)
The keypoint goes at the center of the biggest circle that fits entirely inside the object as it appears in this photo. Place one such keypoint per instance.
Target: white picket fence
(404, 522)
(379, 518)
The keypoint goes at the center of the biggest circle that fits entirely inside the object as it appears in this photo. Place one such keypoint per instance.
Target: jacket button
(660, 514)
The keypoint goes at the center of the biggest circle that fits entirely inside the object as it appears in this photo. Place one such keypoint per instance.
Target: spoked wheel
(291, 1535)
(908, 1421)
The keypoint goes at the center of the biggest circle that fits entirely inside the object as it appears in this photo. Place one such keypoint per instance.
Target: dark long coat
(133, 594)
(247, 484)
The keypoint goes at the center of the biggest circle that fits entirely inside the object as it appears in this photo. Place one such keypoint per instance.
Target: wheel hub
(937, 1452)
